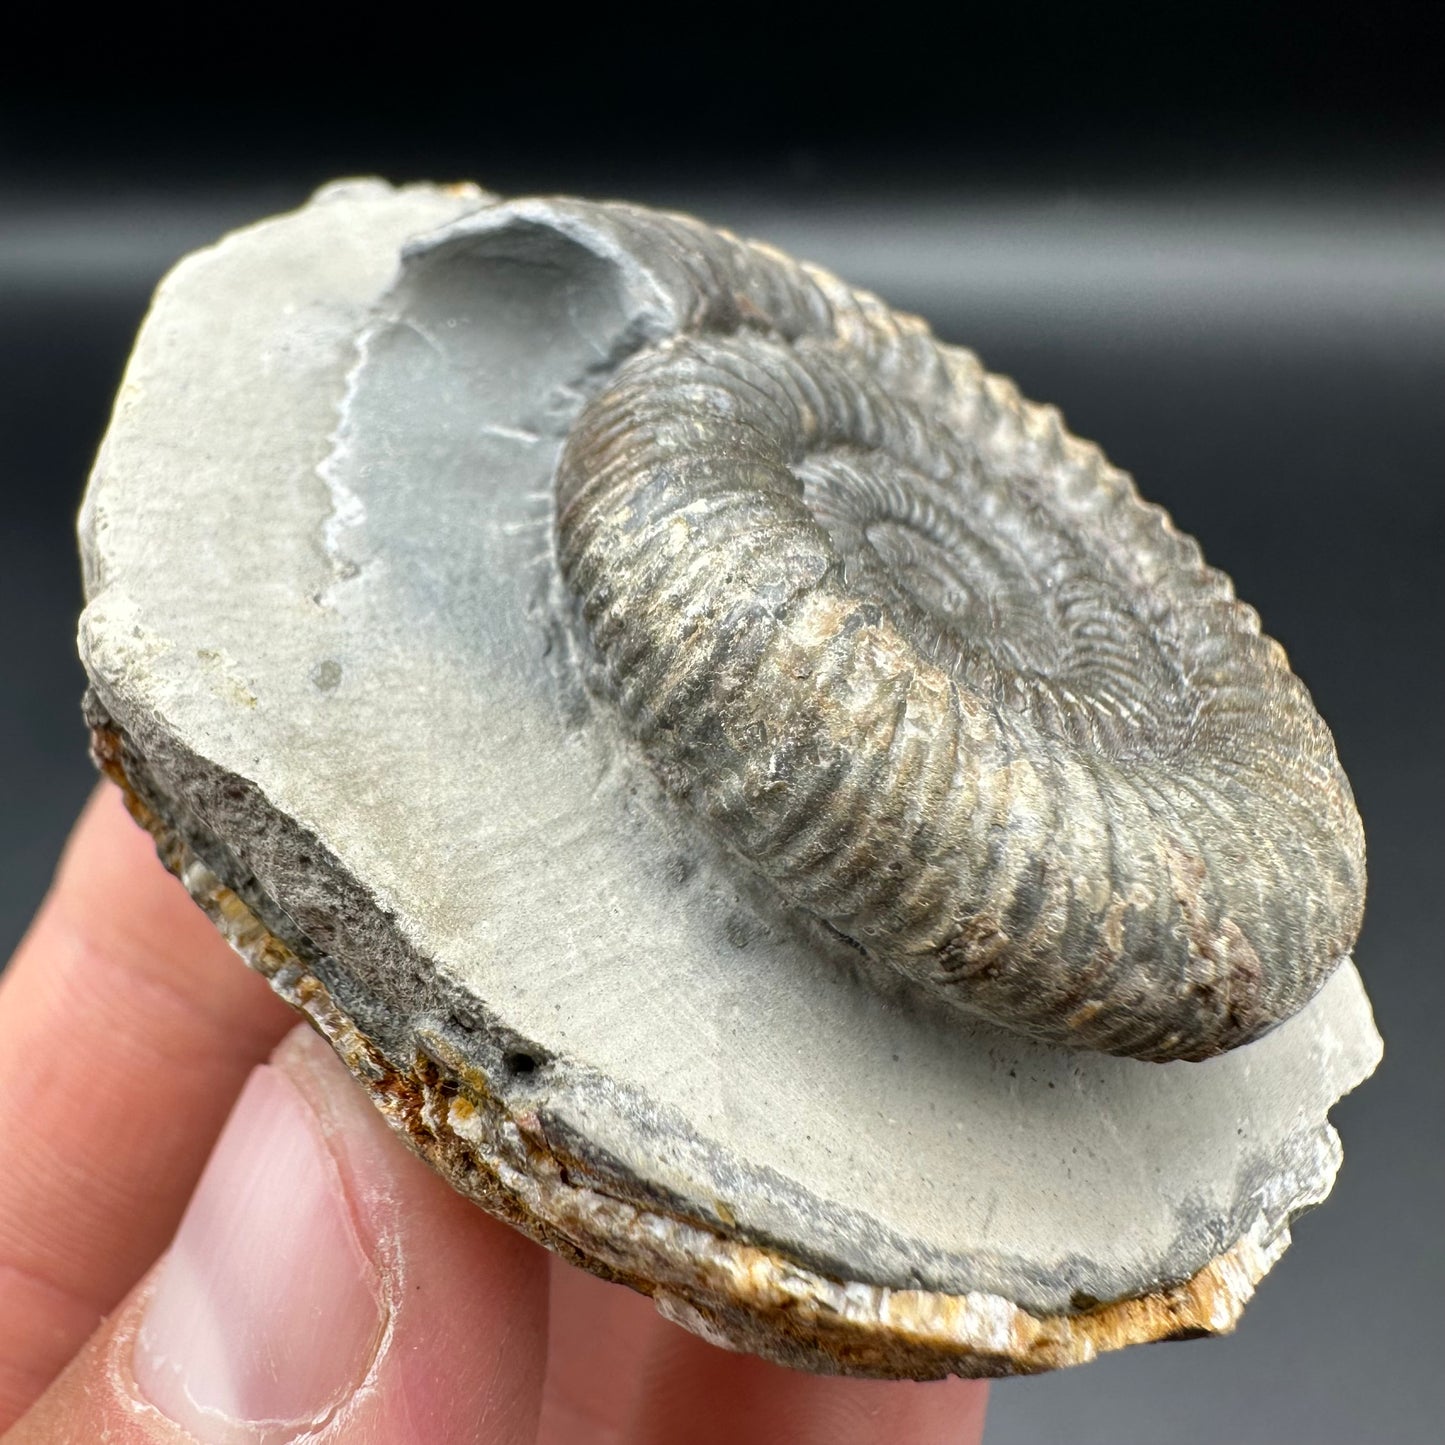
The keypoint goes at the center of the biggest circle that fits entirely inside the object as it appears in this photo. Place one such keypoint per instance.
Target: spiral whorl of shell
(930, 666)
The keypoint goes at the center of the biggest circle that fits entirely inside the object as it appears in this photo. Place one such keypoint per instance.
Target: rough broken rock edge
(733, 1293)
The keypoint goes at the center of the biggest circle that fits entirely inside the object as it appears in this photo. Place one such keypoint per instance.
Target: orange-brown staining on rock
(107, 748)
(1187, 873)
(1085, 1014)
(463, 1111)
(1233, 972)
(464, 190)
(975, 948)
(1111, 930)
(738, 1293)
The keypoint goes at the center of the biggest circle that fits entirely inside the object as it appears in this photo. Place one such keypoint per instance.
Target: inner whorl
(929, 665)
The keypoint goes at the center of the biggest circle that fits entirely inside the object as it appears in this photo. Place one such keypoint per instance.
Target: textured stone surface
(322, 635)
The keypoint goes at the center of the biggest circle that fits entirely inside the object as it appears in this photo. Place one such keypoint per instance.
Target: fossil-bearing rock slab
(338, 664)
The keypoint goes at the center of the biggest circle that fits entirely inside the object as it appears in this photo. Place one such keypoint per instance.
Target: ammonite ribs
(930, 665)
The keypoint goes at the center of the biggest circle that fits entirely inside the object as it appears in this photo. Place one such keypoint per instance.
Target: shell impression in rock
(929, 665)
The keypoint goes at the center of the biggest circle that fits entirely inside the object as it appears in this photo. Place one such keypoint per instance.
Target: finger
(323, 1284)
(599, 1333)
(619, 1374)
(127, 1027)
(692, 1390)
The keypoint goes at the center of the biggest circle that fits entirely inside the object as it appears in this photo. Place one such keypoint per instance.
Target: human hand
(319, 1279)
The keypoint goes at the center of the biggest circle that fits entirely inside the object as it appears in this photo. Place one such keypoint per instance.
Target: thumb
(322, 1280)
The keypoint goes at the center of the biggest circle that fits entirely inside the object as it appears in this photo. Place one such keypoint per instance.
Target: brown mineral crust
(735, 1293)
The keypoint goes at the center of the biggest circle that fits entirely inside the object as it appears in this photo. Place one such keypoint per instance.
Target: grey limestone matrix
(758, 804)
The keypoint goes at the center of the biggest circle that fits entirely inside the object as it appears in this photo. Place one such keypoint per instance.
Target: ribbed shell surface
(929, 664)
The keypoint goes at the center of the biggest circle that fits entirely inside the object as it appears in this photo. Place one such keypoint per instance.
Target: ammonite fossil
(931, 666)
(729, 776)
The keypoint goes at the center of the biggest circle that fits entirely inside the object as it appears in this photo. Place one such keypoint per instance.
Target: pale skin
(127, 1032)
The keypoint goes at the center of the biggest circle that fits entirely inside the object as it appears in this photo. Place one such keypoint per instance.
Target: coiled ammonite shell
(930, 665)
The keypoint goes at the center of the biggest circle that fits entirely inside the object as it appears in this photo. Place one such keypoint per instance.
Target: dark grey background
(1225, 263)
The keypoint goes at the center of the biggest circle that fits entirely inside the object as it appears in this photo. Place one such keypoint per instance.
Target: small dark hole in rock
(518, 1064)
(1082, 1300)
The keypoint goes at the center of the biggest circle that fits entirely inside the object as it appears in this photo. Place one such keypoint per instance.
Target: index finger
(618, 1373)
(127, 1028)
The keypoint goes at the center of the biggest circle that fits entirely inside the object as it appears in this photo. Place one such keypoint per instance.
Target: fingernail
(267, 1312)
